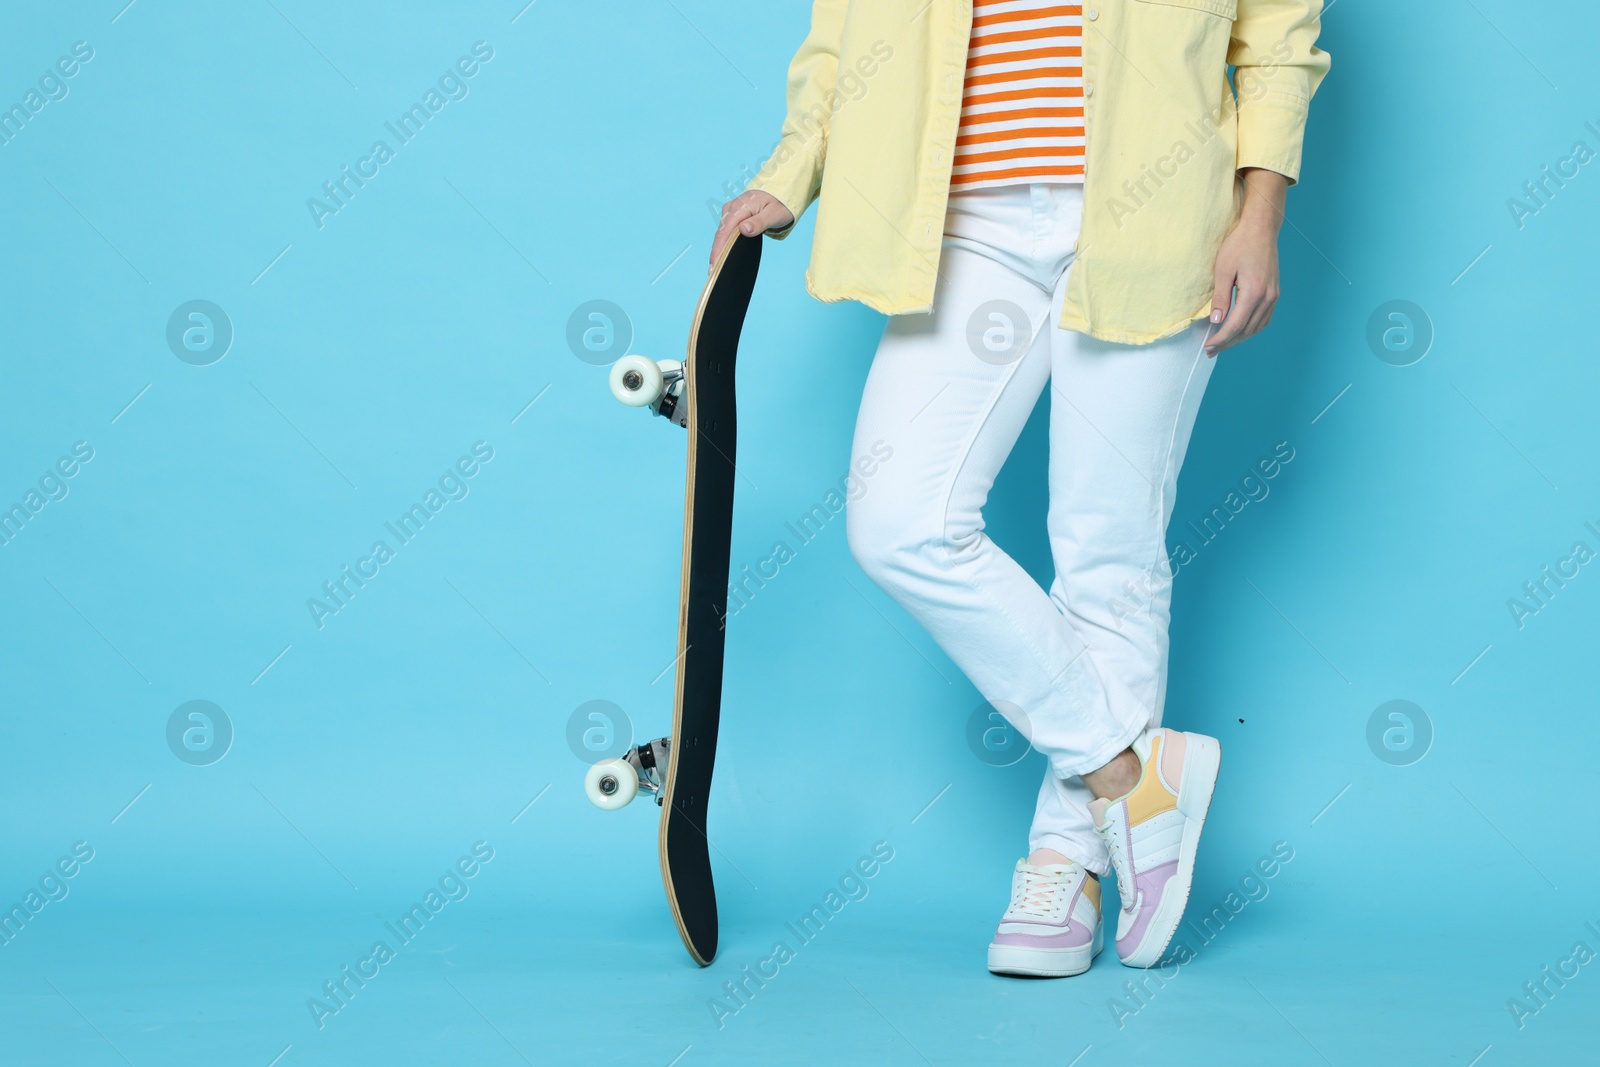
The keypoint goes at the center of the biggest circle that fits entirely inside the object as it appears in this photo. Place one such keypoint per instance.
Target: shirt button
(1093, 13)
(1088, 88)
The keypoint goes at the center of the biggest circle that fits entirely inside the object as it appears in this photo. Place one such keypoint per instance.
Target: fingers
(1252, 310)
(771, 215)
(751, 213)
(1233, 327)
(734, 214)
(1232, 321)
(1221, 301)
(1223, 297)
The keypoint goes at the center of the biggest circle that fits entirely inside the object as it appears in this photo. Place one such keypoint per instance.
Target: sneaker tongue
(1052, 869)
(1097, 808)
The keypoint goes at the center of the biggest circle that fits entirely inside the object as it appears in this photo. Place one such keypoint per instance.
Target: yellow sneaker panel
(1150, 797)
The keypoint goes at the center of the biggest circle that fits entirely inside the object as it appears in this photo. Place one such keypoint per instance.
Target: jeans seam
(1162, 517)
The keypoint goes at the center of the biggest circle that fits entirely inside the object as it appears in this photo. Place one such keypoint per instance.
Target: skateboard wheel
(611, 783)
(637, 381)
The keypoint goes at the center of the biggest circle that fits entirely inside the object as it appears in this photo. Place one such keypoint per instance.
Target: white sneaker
(1152, 834)
(1052, 928)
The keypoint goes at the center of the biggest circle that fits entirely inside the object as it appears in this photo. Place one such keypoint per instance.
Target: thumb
(1222, 298)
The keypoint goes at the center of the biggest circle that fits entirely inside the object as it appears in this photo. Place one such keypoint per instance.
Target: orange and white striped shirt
(1022, 103)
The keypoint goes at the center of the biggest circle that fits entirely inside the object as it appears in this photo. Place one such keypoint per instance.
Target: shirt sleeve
(1278, 67)
(793, 173)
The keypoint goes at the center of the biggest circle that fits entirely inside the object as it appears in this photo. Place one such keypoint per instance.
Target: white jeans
(1079, 670)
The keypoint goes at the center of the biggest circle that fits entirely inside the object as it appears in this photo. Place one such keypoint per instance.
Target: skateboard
(697, 394)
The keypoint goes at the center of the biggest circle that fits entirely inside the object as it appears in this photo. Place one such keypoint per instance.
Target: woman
(1043, 192)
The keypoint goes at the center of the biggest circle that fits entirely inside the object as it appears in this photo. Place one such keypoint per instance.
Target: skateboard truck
(658, 385)
(612, 783)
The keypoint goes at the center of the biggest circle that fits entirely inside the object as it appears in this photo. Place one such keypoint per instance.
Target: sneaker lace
(1119, 863)
(1039, 893)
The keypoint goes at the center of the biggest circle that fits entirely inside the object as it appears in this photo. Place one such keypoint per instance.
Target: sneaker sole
(1202, 759)
(1025, 962)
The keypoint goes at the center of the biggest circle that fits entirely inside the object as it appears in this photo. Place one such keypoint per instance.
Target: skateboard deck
(703, 600)
(699, 395)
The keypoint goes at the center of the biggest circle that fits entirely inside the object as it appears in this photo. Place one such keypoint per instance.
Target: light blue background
(430, 312)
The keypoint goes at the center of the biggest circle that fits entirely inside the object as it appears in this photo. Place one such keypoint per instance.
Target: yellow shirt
(875, 103)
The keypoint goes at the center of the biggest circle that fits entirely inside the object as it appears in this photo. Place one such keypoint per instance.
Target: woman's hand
(752, 213)
(1248, 260)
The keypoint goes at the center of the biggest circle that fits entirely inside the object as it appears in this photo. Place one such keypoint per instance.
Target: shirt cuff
(1272, 133)
(793, 177)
